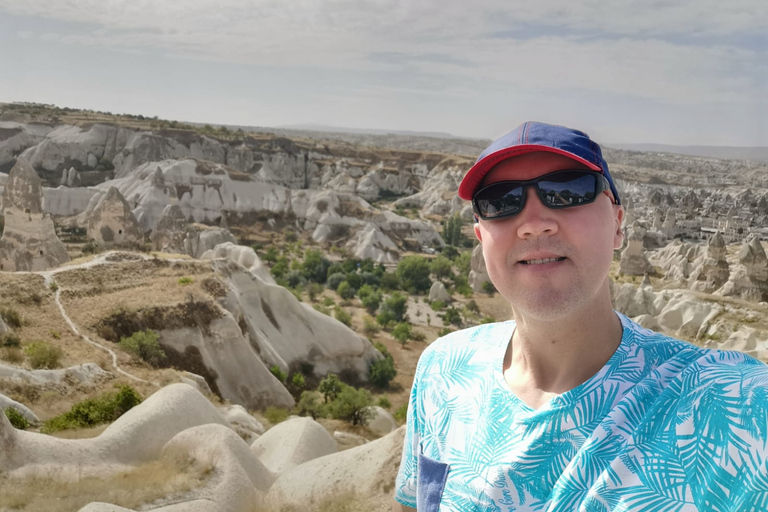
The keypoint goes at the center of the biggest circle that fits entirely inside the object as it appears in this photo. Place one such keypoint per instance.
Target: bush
(394, 307)
(145, 346)
(185, 281)
(472, 306)
(342, 316)
(402, 332)
(91, 247)
(413, 272)
(437, 305)
(43, 355)
(384, 402)
(445, 331)
(315, 266)
(334, 280)
(370, 278)
(17, 420)
(278, 373)
(313, 290)
(390, 281)
(276, 415)
(11, 317)
(345, 290)
(487, 320)
(463, 262)
(418, 336)
(382, 371)
(401, 413)
(291, 236)
(310, 404)
(10, 339)
(328, 302)
(352, 405)
(294, 279)
(372, 301)
(105, 408)
(452, 316)
(369, 326)
(489, 288)
(330, 387)
(441, 267)
(298, 381)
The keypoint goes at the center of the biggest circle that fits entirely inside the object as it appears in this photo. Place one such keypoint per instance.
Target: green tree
(281, 267)
(452, 230)
(309, 404)
(330, 387)
(393, 308)
(382, 371)
(372, 302)
(463, 262)
(452, 316)
(342, 316)
(145, 346)
(390, 281)
(352, 405)
(402, 332)
(413, 272)
(315, 266)
(345, 290)
(441, 267)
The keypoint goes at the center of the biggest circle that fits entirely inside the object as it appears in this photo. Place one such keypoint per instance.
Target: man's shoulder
(470, 343)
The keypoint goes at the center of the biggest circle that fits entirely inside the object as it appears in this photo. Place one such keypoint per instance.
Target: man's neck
(548, 357)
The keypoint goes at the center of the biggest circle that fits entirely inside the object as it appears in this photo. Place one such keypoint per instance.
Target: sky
(688, 72)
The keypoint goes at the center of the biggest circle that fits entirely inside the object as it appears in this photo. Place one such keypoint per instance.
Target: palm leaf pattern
(664, 426)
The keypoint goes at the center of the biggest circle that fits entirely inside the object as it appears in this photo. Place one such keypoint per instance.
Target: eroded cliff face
(29, 240)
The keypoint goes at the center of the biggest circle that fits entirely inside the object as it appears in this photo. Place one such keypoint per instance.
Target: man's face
(581, 238)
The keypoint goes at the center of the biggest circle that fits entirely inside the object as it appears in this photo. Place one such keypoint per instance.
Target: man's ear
(477, 232)
(619, 234)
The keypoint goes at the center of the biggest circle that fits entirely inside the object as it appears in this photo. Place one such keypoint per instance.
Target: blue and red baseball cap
(531, 137)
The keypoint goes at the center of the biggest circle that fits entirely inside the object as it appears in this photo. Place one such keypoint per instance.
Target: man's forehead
(529, 166)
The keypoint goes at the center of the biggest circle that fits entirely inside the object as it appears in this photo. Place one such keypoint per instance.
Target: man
(570, 405)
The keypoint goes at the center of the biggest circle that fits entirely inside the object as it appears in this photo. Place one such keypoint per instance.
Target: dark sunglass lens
(569, 189)
(499, 200)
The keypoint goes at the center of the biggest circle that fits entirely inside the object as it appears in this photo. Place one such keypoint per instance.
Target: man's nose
(536, 219)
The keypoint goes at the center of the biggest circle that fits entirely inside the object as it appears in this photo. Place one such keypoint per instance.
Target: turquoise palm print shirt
(663, 426)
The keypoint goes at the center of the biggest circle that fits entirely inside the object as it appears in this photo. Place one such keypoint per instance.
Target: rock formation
(478, 273)
(170, 231)
(750, 280)
(241, 255)
(292, 443)
(112, 223)
(633, 259)
(711, 269)
(438, 292)
(29, 240)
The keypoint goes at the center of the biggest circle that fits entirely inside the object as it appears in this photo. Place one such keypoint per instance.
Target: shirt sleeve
(407, 476)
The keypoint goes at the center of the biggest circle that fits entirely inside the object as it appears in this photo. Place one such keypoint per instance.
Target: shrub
(334, 280)
(394, 307)
(402, 332)
(452, 316)
(489, 288)
(280, 268)
(369, 326)
(53, 286)
(413, 272)
(390, 281)
(10, 339)
(17, 420)
(372, 301)
(450, 251)
(401, 413)
(445, 331)
(345, 290)
(382, 371)
(437, 305)
(418, 336)
(370, 278)
(298, 381)
(294, 279)
(322, 309)
(278, 373)
(487, 320)
(145, 346)
(185, 281)
(43, 355)
(328, 302)
(441, 267)
(472, 306)
(330, 387)
(352, 405)
(384, 402)
(91, 247)
(105, 408)
(291, 236)
(463, 262)
(315, 266)
(271, 254)
(313, 290)
(342, 316)
(310, 404)
(276, 415)
(11, 317)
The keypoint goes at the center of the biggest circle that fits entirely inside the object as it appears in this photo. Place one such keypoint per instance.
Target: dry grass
(131, 489)
(342, 502)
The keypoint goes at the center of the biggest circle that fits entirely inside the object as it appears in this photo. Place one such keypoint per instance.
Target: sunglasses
(560, 189)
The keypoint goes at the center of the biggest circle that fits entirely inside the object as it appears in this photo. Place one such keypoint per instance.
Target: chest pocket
(432, 477)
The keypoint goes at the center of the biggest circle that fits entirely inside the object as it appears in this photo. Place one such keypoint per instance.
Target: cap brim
(477, 172)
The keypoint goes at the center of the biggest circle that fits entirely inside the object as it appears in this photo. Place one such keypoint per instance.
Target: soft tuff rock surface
(633, 259)
(292, 443)
(29, 240)
(478, 275)
(364, 475)
(438, 292)
(112, 223)
(241, 255)
(711, 269)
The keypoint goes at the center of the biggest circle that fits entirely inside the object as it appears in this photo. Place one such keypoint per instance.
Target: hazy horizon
(689, 74)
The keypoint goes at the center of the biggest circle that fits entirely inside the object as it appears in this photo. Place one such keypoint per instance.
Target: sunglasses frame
(601, 185)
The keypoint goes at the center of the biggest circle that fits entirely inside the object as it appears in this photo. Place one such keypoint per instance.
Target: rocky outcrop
(241, 255)
(170, 231)
(29, 240)
(749, 281)
(363, 476)
(478, 274)
(112, 223)
(370, 243)
(16, 137)
(292, 443)
(711, 269)
(438, 292)
(633, 259)
(287, 333)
